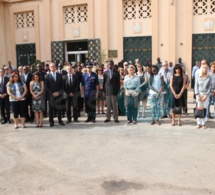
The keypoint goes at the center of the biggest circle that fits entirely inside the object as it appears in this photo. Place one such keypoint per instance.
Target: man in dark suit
(54, 89)
(27, 80)
(80, 99)
(72, 89)
(111, 87)
(4, 98)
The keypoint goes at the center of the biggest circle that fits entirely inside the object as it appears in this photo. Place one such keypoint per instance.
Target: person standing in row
(101, 96)
(42, 74)
(54, 89)
(72, 89)
(111, 87)
(28, 101)
(90, 90)
(156, 88)
(202, 91)
(184, 100)
(159, 64)
(212, 96)
(80, 100)
(4, 98)
(17, 90)
(177, 85)
(143, 95)
(167, 97)
(132, 88)
(195, 68)
(37, 89)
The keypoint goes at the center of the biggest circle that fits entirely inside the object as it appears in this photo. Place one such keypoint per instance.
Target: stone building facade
(82, 30)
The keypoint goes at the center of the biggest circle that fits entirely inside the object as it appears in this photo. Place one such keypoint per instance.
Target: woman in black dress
(177, 85)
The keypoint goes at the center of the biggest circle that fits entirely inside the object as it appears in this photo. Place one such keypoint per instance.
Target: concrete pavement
(108, 159)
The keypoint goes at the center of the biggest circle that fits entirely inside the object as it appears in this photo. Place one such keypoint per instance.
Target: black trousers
(184, 101)
(51, 113)
(72, 102)
(90, 107)
(28, 102)
(5, 108)
(17, 107)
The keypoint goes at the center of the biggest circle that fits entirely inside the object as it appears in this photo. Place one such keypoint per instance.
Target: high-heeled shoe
(173, 123)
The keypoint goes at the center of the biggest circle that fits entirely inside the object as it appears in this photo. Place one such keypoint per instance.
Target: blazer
(63, 72)
(79, 76)
(27, 82)
(53, 86)
(5, 80)
(74, 88)
(111, 86)
(42, 75)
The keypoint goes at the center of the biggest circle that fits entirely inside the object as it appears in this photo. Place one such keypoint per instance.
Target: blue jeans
(211, 102)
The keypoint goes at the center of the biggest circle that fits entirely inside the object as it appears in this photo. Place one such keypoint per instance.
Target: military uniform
(90, 83)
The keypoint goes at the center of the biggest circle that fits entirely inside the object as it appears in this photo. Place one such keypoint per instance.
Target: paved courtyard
(109, 159)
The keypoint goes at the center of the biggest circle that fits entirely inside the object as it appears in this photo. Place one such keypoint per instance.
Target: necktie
(54, 76)
(1, 85)
(110, 74)
(70, 80)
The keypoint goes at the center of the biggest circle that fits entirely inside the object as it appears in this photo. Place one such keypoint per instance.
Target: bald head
(52, 67)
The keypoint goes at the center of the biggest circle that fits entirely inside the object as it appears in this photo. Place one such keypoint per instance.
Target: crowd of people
(125, 89)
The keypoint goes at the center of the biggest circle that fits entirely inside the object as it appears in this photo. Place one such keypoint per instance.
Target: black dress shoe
(61, 123)
(116, 121)
(93, 120)
(3, 122)
(87, 121)
(51, 124)
(107, 120)
(76, 120)
(164, 116)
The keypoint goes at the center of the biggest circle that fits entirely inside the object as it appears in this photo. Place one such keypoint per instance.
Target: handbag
(199, 112)
(177, 109)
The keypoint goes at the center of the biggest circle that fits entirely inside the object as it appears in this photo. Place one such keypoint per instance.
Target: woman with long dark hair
(177, 85)
(17, 90)
(101, 95)
(36, 89)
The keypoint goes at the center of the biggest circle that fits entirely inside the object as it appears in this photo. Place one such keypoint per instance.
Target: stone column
(104, 27)
(3, 55)
(155, 31)
(172, 31)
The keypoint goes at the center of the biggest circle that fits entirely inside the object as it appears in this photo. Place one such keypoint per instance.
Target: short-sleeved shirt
(17, 89)
(90, 83)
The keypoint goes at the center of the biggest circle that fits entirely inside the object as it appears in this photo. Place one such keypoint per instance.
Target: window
(203, 7)
(24, 20)
(134, 9)
(76, 14)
